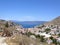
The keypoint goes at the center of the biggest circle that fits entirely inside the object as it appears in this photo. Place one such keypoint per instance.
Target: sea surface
(29, 24)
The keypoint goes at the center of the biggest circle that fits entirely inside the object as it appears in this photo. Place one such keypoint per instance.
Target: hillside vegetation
(21, 40)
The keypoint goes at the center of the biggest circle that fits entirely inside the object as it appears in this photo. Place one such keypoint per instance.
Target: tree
(47, 30)
(29, 33)
(42, 38)
(59, 34)
(37, 36)
(6, 25)
(51, 38)
(54, 40)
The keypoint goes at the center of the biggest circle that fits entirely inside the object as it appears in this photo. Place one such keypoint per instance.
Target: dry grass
(21, 40)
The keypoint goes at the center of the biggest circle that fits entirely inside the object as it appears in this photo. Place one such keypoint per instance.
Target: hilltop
(55, 21)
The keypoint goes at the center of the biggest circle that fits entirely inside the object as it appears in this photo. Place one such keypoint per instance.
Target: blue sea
(29, 24)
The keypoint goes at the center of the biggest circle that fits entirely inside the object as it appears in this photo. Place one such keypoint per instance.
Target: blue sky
(29, 10)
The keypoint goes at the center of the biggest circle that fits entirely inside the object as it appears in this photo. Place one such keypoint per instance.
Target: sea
(29, 24)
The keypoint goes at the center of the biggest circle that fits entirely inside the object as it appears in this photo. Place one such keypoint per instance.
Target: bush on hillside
(29, 33)
(47, 30)
(42, 39)
(37, 36)
(59, 34)
(6, 25)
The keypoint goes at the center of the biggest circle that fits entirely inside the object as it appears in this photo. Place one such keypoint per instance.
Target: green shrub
(6, 25)
(54, 41)
(47, 30)
(51, 38)
(59, 34)
(37, 36)
(42, 38)
(29, 33)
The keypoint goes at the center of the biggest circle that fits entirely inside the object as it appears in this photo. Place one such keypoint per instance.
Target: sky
(29, 10)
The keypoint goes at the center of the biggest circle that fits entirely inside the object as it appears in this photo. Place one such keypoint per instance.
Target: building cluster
(46, 31)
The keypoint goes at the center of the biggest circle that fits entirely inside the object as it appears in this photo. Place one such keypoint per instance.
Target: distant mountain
(55, 21)
(29, 24)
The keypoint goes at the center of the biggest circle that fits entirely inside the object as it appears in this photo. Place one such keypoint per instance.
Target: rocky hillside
(8, 23)
(55, 21)
(7, 27)
(10, 37)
